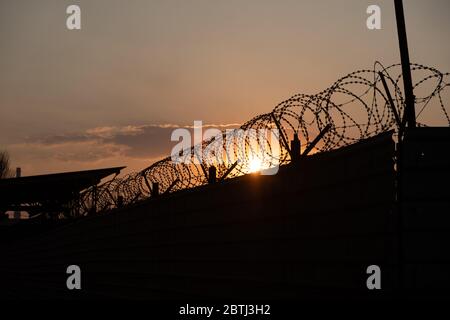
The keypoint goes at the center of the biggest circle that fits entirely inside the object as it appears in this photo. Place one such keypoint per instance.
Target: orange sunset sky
(111, 93)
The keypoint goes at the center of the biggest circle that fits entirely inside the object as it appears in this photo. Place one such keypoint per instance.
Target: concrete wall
(425, 185)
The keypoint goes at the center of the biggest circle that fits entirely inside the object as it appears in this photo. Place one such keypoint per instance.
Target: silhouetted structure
(50, 193)
(212, 174)
(295, 148)
(309, 231)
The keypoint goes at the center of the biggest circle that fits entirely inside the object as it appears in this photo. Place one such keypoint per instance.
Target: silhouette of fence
(356, 107)
(312, 229)
(308, 231)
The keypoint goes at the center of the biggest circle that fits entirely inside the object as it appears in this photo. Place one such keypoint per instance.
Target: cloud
(133, 146)
(109, 132)
(77, 151)
(144, 141)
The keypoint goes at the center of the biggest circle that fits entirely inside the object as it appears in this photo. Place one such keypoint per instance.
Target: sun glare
(255, 165)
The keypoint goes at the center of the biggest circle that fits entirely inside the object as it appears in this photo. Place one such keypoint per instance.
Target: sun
(255, 165)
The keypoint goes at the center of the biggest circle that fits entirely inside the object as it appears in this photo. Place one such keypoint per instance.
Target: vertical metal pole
(17, 214)
(155, 189)
(410, 113)
(212, 174)
(95, 199)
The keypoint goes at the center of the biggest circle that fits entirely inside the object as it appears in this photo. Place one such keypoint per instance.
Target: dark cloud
(145, 141)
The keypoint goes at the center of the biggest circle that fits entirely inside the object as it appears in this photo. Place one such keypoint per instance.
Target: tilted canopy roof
(58, 187)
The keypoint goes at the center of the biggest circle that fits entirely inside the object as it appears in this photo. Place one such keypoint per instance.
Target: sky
(111, 93)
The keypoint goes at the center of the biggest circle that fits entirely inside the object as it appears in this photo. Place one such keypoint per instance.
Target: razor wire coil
(355, 107)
